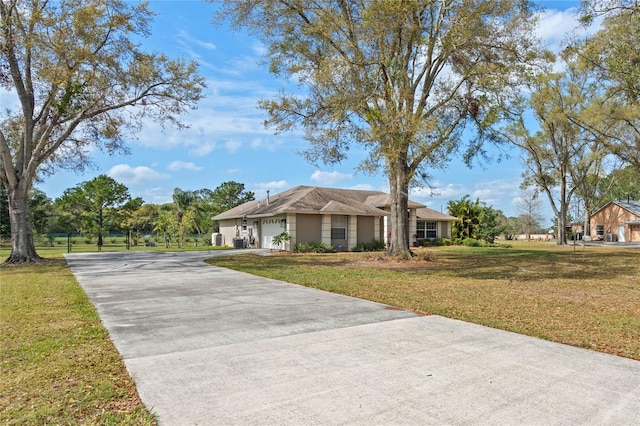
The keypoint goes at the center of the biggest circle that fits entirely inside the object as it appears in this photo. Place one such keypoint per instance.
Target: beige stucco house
(616, 221)
(341, 218)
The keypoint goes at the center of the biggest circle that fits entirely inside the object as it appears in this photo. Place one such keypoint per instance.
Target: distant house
(342, 218)
(616, 221)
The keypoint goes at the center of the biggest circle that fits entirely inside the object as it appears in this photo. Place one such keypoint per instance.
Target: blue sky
(227, 139)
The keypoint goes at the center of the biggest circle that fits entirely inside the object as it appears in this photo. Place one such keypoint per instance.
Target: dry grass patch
(588, 297)
(58, 365)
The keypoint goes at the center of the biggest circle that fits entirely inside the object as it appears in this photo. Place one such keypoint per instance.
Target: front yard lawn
(587, 297)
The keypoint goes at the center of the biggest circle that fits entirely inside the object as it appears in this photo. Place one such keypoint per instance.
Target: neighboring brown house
(342, 218)
(617, 221)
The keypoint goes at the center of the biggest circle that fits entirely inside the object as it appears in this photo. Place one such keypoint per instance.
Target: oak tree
(612, 56)
(561, 154)
(81, 80)
(403, 79)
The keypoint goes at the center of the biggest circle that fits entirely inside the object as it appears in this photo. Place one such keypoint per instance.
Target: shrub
(280, 239)
(375, 245)
(446, 241)
(315, 247)
(471, 242)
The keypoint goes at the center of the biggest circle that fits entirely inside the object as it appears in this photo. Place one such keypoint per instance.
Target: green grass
(80, 246)
(58, 365)
(586, 297)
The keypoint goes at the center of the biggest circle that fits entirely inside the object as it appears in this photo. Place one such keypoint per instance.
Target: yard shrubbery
(316, 247)
(375, 245)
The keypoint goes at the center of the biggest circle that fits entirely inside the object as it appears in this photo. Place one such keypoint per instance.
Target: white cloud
(156, 195)
(232, 145)
(260, 189)
(186, 39)
(556, 28)
(329, 178)
(554, 25)
(183, 165)
(269, 144)
(366, 187)
(203, 149)
(495, 193)
(135, 176)
(449, 191)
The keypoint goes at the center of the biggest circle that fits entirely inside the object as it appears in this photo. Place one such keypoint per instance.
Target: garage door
(270, 227)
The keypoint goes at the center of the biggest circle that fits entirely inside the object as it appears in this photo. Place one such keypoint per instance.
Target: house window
(339, 227)
(426, 230)
(600, 230)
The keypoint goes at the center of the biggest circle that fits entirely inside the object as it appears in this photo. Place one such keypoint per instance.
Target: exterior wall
(413, 219)
(248, 230)
(366, 229)
(612, 218)
(230, 229)
(352, 232)
(444, 229)
(326, 229)
(385, 229)
(308, 228)
(291, 227)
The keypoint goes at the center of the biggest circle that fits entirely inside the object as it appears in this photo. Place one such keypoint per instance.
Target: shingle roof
(632, 206)
(426, 213)
(315, 200)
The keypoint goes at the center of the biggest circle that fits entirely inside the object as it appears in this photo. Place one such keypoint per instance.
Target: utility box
(216, 239)
(238, 243)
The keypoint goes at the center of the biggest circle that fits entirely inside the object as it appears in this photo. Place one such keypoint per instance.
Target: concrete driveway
(210, 346)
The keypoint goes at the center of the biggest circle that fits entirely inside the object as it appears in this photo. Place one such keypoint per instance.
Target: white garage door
(270, 227)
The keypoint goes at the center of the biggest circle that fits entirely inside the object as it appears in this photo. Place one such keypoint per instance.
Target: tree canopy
(82, 81)
(403, 79)
(612, 57)
(95, 203)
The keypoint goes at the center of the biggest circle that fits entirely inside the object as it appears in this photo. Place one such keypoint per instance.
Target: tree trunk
(23, 249)
(587, 223)
(399, 188)
(562, 230)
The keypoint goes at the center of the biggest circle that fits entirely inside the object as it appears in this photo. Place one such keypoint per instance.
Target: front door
(621, 237)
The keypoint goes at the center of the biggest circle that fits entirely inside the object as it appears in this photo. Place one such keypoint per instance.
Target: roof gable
(630, 205)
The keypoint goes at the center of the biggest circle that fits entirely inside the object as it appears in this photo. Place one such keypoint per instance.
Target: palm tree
(468, 214)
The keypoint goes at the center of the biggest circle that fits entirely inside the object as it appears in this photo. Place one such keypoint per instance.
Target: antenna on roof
(267, 197)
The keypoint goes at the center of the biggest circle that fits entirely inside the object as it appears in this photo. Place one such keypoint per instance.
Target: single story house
(616, 221)
(432, 224)
(341, 218)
